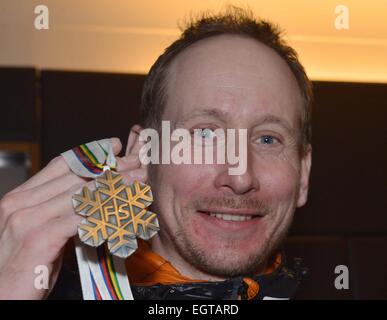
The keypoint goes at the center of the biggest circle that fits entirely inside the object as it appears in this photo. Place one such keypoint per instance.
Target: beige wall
(128, 35)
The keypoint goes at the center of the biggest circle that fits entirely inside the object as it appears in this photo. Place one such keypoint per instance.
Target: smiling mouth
(231, 216)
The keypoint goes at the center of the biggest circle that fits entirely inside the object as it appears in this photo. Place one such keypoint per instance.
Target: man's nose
(238, 184)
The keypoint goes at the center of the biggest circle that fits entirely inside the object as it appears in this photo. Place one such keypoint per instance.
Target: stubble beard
(226, 262)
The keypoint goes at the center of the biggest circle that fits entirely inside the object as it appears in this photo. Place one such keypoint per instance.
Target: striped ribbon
(109, 276)
(103, 276)
(89, 160)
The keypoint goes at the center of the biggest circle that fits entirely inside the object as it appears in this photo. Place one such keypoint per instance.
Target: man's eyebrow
(272, 119)
(223, 116)
(212, 113)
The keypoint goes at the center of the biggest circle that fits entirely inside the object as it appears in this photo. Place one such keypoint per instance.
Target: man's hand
(37, 219)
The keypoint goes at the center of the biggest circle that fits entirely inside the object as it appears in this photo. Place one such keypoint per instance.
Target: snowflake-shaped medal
(116, 213)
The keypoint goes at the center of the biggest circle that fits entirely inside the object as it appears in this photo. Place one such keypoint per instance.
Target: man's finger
(33, 217)
(39, 194)
(128, 177)
(127, 163)
(56, 168)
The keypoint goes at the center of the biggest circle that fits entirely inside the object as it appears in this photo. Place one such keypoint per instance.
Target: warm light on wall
(128, 36)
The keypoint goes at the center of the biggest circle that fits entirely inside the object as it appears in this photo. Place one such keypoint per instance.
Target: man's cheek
(190, 177)
(278, 182)
(174, 188)
(286, 157)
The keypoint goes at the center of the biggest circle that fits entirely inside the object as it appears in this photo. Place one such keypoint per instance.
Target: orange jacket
(146, 268)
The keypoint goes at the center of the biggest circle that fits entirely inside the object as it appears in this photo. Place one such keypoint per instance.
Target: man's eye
(268, 140)
(205, 133)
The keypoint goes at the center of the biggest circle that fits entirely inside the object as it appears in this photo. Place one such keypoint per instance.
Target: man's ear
(306, 164)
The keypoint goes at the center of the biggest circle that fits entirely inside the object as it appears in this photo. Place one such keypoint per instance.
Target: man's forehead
(244, 106)
(221, 56)
(234, 73)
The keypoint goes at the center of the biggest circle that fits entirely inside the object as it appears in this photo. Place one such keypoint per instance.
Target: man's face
(232, 82)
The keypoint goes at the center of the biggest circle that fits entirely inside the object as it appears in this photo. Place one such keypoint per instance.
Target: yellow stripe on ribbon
(113, 277)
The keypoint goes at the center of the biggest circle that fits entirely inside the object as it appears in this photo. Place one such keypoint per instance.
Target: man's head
(230, 71)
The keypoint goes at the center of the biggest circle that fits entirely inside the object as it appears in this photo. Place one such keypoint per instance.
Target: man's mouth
(231, 217)
(232, 214)
(239, 222)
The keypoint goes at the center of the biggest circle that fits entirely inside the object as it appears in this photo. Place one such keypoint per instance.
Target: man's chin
(230, 264)
(226, 260)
